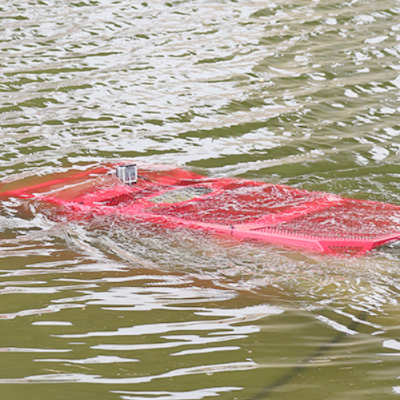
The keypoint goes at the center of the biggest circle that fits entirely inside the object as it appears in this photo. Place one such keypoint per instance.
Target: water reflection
(303, 93)
(189, 395)
(118, 314)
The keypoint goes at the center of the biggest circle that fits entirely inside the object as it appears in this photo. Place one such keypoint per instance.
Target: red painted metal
(242, 208)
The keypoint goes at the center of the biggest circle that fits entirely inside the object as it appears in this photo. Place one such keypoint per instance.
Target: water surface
(304, 93)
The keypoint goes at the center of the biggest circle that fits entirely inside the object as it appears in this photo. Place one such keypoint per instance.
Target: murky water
(306, 93)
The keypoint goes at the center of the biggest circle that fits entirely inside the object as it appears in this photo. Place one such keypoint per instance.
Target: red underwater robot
(242, 208)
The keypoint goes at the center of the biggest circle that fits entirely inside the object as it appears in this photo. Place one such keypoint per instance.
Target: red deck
(242, 208)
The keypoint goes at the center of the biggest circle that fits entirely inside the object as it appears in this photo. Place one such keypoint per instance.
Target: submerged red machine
(245, 209)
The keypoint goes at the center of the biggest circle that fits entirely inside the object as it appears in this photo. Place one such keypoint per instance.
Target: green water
(305, 93)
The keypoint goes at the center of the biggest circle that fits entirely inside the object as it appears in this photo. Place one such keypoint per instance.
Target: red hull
(242, 208)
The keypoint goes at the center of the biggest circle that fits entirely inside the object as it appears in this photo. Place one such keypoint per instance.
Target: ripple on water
(303, 93)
